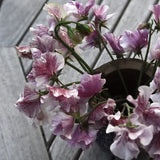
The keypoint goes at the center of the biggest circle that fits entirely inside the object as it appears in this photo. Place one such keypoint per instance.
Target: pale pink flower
(142, 101)
(114, 43)
(154, 147)
(40, 45)
(29, 102)
(156, 12)
(24, 52)
(45, 68)
(82, 137)
(68, 99)
(62, 124)
(40, 31)
(100, 114)
(90, 85)
(155, 53)
(91, 40)
(155, 83)
(52, 22)
(101, 13)
(152, 116)
(55, 10)
(134, 41)
(127, 139)
(76, 11)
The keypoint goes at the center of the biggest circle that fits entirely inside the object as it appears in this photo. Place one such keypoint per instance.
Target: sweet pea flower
(156, 12)
(76, 10)
(45, 68)
(152, 116)
(40, 45)
(155, 53)
(99, 116)
(142, 101)
(114, 43)
(91, 41)
(101, 13)
(29, 102)
(24, 52)
(56, 10)
(127, 139)
(40, 31)
(62, 124)
(82, 137)
(155, 83)
(134, 41)
(90, 85)
(153, 147)
(68, 99)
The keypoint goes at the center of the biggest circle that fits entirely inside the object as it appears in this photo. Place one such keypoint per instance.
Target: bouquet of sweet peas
(47, 100)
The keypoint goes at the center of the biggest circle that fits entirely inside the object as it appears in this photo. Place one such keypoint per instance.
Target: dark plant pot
(130, 70)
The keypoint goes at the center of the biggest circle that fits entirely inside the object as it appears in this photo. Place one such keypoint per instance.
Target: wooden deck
(18, 139)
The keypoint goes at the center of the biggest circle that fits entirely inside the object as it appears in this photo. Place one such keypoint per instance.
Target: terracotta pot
(130, 70)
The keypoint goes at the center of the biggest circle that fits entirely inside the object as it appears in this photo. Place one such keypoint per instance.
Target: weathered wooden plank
(15, 17)
(61, 149)
(19, 139)
(95, 153)
(136, 13)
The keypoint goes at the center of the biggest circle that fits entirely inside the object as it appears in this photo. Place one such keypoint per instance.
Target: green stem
(69, 84)
(77, 69)
(79, 59)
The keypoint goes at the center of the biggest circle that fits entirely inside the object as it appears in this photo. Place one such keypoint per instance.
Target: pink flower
(76, 9)
(41, 45)
(55, 10)
(68, 99)
(40, 31)
(155, 83)
(127, 139)
(134, 41)
(24, 52)
(142, 102)
(101, 13)
(29, 102)
(114, 43)
(91, 41)
(154, 146)
(52, 22)
(90, 85)
(155, 53)
(45, 68)
(156, 12)
(152, 116)
(100, 114)
(82, 137)
(62, 124)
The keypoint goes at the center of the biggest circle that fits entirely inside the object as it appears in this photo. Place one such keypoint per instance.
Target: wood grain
(19, 140)
(15, 17)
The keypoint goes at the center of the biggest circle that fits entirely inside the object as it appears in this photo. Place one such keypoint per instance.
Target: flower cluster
(77, 110)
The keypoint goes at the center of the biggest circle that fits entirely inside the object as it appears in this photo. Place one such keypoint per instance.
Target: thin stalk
(79, 59)
(146, 57)
(118, 70)
(69, 84)
(75, 68)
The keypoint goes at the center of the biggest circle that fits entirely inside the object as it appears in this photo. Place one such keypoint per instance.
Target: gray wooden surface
(19, 140)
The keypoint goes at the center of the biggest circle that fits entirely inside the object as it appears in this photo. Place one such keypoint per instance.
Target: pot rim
(128, 63)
